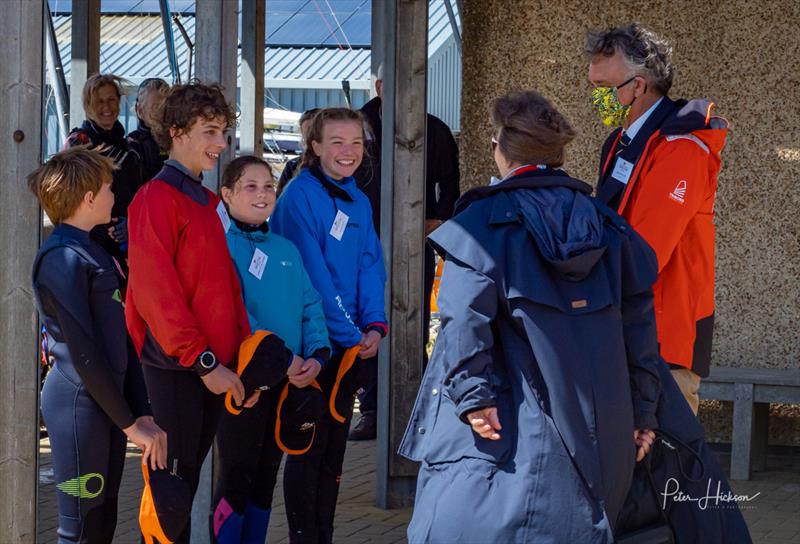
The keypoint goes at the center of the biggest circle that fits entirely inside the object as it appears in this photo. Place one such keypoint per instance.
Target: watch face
(207, 359)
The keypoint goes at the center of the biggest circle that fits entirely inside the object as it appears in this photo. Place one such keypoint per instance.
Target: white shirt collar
(632, 130)
(494, 181)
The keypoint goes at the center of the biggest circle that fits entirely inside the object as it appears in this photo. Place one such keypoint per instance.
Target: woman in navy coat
(543, 386)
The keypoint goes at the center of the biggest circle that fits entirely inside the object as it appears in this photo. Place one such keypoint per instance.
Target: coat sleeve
(669, 195)
(468, 305)
(294, 219)
(153, 241)
(448, 178)
(315, 331)
(371, 280)
(639, 330)
(63, 283)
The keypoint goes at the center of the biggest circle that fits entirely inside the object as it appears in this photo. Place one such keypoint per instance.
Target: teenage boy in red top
(184, 309)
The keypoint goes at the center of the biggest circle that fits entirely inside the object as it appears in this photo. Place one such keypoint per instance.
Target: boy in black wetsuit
(94, 396)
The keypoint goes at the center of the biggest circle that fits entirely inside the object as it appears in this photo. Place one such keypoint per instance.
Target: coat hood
(567, 228)
(695, 117)
(557, 212)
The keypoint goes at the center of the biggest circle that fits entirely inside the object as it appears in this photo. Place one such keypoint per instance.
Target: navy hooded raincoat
(547, 313)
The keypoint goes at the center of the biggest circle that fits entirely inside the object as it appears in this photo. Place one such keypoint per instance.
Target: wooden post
(22, 80)
(216, 31)
(85, 54)
(216, 46)
(402, 235)
(252, 85)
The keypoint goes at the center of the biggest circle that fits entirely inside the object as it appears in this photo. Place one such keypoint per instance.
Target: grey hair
(151, 83)
(645, 53)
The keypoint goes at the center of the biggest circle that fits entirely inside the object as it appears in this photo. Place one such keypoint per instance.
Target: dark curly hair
(645, 52)
(530, 130)
(185, 104)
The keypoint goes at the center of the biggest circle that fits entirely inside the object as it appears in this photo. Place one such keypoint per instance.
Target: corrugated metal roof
(133, 47)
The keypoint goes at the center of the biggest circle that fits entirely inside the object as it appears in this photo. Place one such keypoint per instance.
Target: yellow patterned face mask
(612, 112)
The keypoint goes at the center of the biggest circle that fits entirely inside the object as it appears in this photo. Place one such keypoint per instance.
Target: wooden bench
(751, 390)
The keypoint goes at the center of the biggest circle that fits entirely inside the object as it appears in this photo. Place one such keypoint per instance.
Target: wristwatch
(205, 363)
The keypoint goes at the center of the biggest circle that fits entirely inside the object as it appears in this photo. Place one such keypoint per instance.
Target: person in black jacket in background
(292, 165)
(441, 192)
(149, 97)
(102, 130)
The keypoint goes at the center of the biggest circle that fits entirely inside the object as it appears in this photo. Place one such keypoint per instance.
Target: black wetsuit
(128, 178)
(152, 156)
(95, 387)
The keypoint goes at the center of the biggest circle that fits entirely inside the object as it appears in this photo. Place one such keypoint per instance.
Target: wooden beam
(216, 46)
(85, 54)
(252, 84)
(403, 238)
(21, 78)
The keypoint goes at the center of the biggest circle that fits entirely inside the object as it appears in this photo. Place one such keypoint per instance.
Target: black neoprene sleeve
(88, 362)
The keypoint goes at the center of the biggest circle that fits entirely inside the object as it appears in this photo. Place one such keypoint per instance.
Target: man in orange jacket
(659, 170)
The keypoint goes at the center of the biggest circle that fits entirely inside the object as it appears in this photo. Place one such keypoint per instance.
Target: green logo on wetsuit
(117, 296)
(77, 486)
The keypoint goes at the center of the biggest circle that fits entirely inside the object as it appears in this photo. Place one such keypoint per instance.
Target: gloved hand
(119, 230)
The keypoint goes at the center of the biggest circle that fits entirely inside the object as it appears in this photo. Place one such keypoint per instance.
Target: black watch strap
(206, 362)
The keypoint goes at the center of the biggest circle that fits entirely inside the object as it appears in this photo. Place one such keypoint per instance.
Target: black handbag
(659, 532)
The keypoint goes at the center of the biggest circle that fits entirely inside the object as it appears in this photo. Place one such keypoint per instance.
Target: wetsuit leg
(241, 443)
(311, 481)
(189, 414)
(259, 508)
(88, 453)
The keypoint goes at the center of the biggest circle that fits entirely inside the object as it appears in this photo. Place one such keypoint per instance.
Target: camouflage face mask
(612, 112)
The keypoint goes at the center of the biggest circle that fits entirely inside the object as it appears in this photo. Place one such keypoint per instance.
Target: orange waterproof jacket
(664, 183)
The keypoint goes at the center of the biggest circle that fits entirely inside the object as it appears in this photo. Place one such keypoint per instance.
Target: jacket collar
(115, 136)
(533, 178)
(335, 190)
(248, 229)
(177, 175)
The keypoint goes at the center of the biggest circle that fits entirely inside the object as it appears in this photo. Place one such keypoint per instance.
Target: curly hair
(185, 104)
(530, 130)
(644, 51)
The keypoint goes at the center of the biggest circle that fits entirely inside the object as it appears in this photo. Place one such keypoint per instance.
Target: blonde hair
(61, 183)
(98, 81)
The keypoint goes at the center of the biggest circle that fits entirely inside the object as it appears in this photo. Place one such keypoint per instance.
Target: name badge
(339, 224)
(258, 263)
(223, 216)
(622, 170)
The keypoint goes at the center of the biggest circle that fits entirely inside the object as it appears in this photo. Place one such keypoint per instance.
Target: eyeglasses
(626, 82)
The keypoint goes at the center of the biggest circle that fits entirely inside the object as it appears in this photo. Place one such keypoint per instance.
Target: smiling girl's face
(252, 198)
(341, 148)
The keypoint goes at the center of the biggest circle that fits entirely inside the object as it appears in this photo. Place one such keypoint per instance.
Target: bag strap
(663, 435)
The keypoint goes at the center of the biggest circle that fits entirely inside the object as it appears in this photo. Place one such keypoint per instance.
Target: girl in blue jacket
(330, 221)
(279, 298)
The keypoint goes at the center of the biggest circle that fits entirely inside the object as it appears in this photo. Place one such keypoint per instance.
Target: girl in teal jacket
(279, 298)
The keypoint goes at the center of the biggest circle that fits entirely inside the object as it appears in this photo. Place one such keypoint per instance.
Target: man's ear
(88, 199)
(174, 132)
